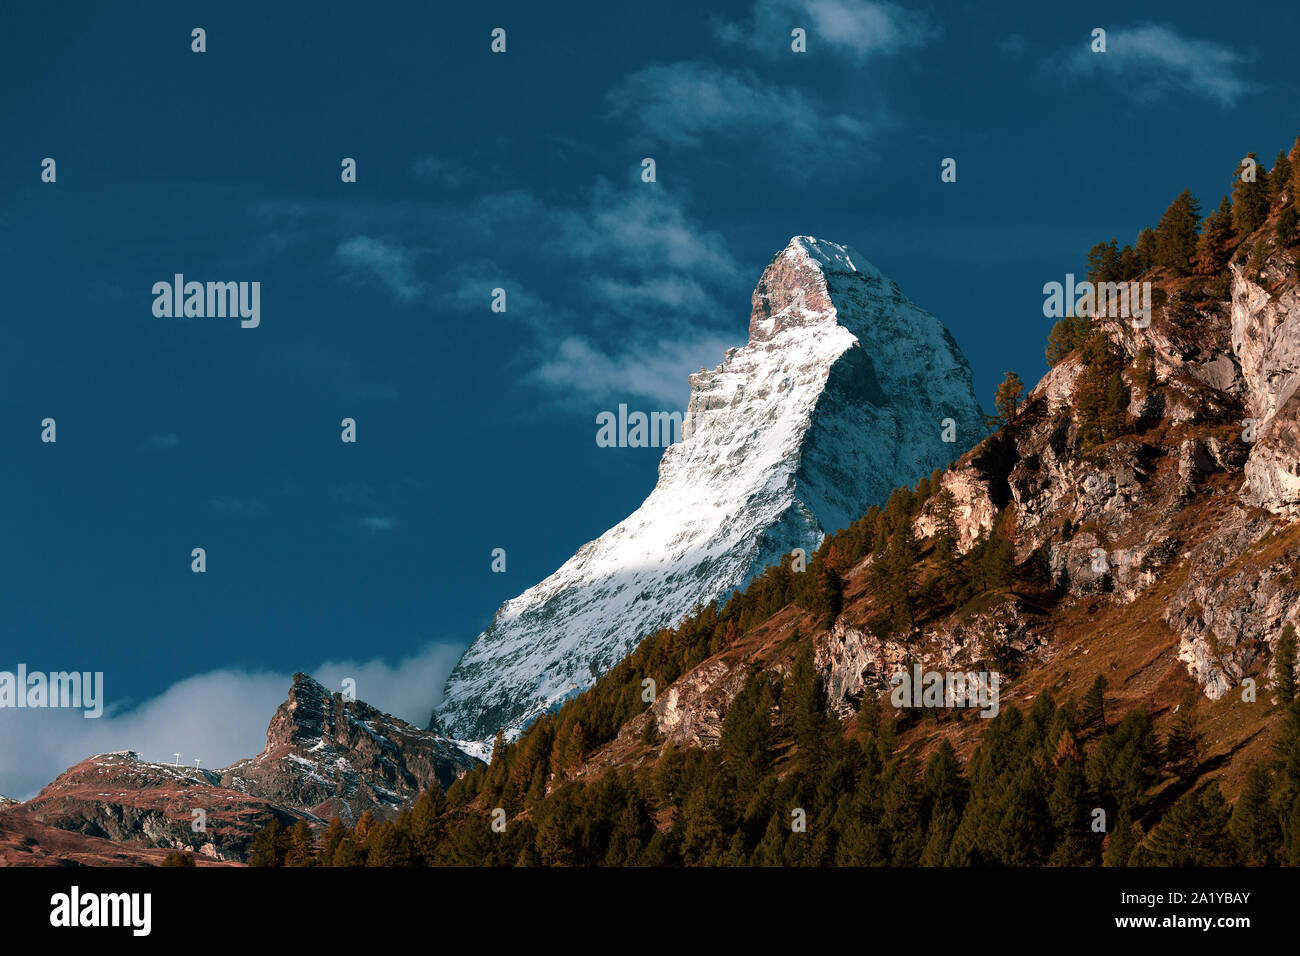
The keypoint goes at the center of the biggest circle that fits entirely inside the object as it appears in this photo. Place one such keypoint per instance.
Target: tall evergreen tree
(1177, 233)
(1254, 826)
(1284, 682)
(1193, 833)
(1211, 246)
(1007, 397)
(1183, 744)
(1249, 200)
(1067, 334)
(1279, 177)
(1147, 249)
(1092, 716)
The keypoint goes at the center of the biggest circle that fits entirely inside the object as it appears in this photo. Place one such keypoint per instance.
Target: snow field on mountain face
(771, 460)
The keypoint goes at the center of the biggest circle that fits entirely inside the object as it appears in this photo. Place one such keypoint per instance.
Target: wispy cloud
(1154, 61)
(591, 373)
(857, 29)
(682, 103)
(643, 309)
(387, 262)
(448, 172)
(378, 523)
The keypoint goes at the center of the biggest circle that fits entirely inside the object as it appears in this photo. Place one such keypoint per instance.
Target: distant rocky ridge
(841, 394)
(325, 756)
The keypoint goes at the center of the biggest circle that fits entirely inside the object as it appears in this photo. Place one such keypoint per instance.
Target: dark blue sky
(476, 429)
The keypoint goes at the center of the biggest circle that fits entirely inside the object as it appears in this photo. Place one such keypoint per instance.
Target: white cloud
(1154, 61)
(677, 104)
(389, 263)
(654, 370)
(445, 171)
(219, 717)
(857, 29)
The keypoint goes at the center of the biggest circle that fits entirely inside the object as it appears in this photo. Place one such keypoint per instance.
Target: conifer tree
(1147, 253)
(945, 536)
(267, 848)
(1193, 833)
(1211, 251)
(1249, 201)
(1183, 745)
(1092, 716)
(1254, 826)
(1284, 682)
(1177, 233)
(1114, 413)
(388, 846)
(301, 846)
(1279, 177)
(1007, 397)
(1071, 816)
(804, 699)
(1104, 262)
(1123, 839)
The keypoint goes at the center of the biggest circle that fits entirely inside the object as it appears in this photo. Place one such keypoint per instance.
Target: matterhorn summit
(840, 395)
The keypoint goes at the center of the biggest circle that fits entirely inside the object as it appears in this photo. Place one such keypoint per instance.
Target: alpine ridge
(844, 391)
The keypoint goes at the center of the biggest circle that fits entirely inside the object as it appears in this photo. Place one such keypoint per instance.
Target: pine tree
(945, 536)
(267, 848)
(1284, 681)
(1211, 251)
(348, 853)
(1092, 716)
(1254, 826)
(1177, 233)
(388, 846)
(829, 599)
(747, 730)
(1067, 335)
(1249, 201)
(1279, 177)
(426, 825)
(1130, 266)
(1007, 397)
(1147, 246)
(1071, 815)
(1285, 230)
(1123, 839)
(1183, 745)
(302, 846)
(804, 700)
(869, 716)
(329, 844)
(1114, 413)
(1104, 262)
(1193, 833)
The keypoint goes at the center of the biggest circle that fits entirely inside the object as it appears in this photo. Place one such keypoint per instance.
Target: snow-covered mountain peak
(838, 397)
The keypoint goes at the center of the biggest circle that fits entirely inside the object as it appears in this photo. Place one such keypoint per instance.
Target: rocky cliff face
(324, 757)
(1204, 496)
(332, 757)
(839, 396)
